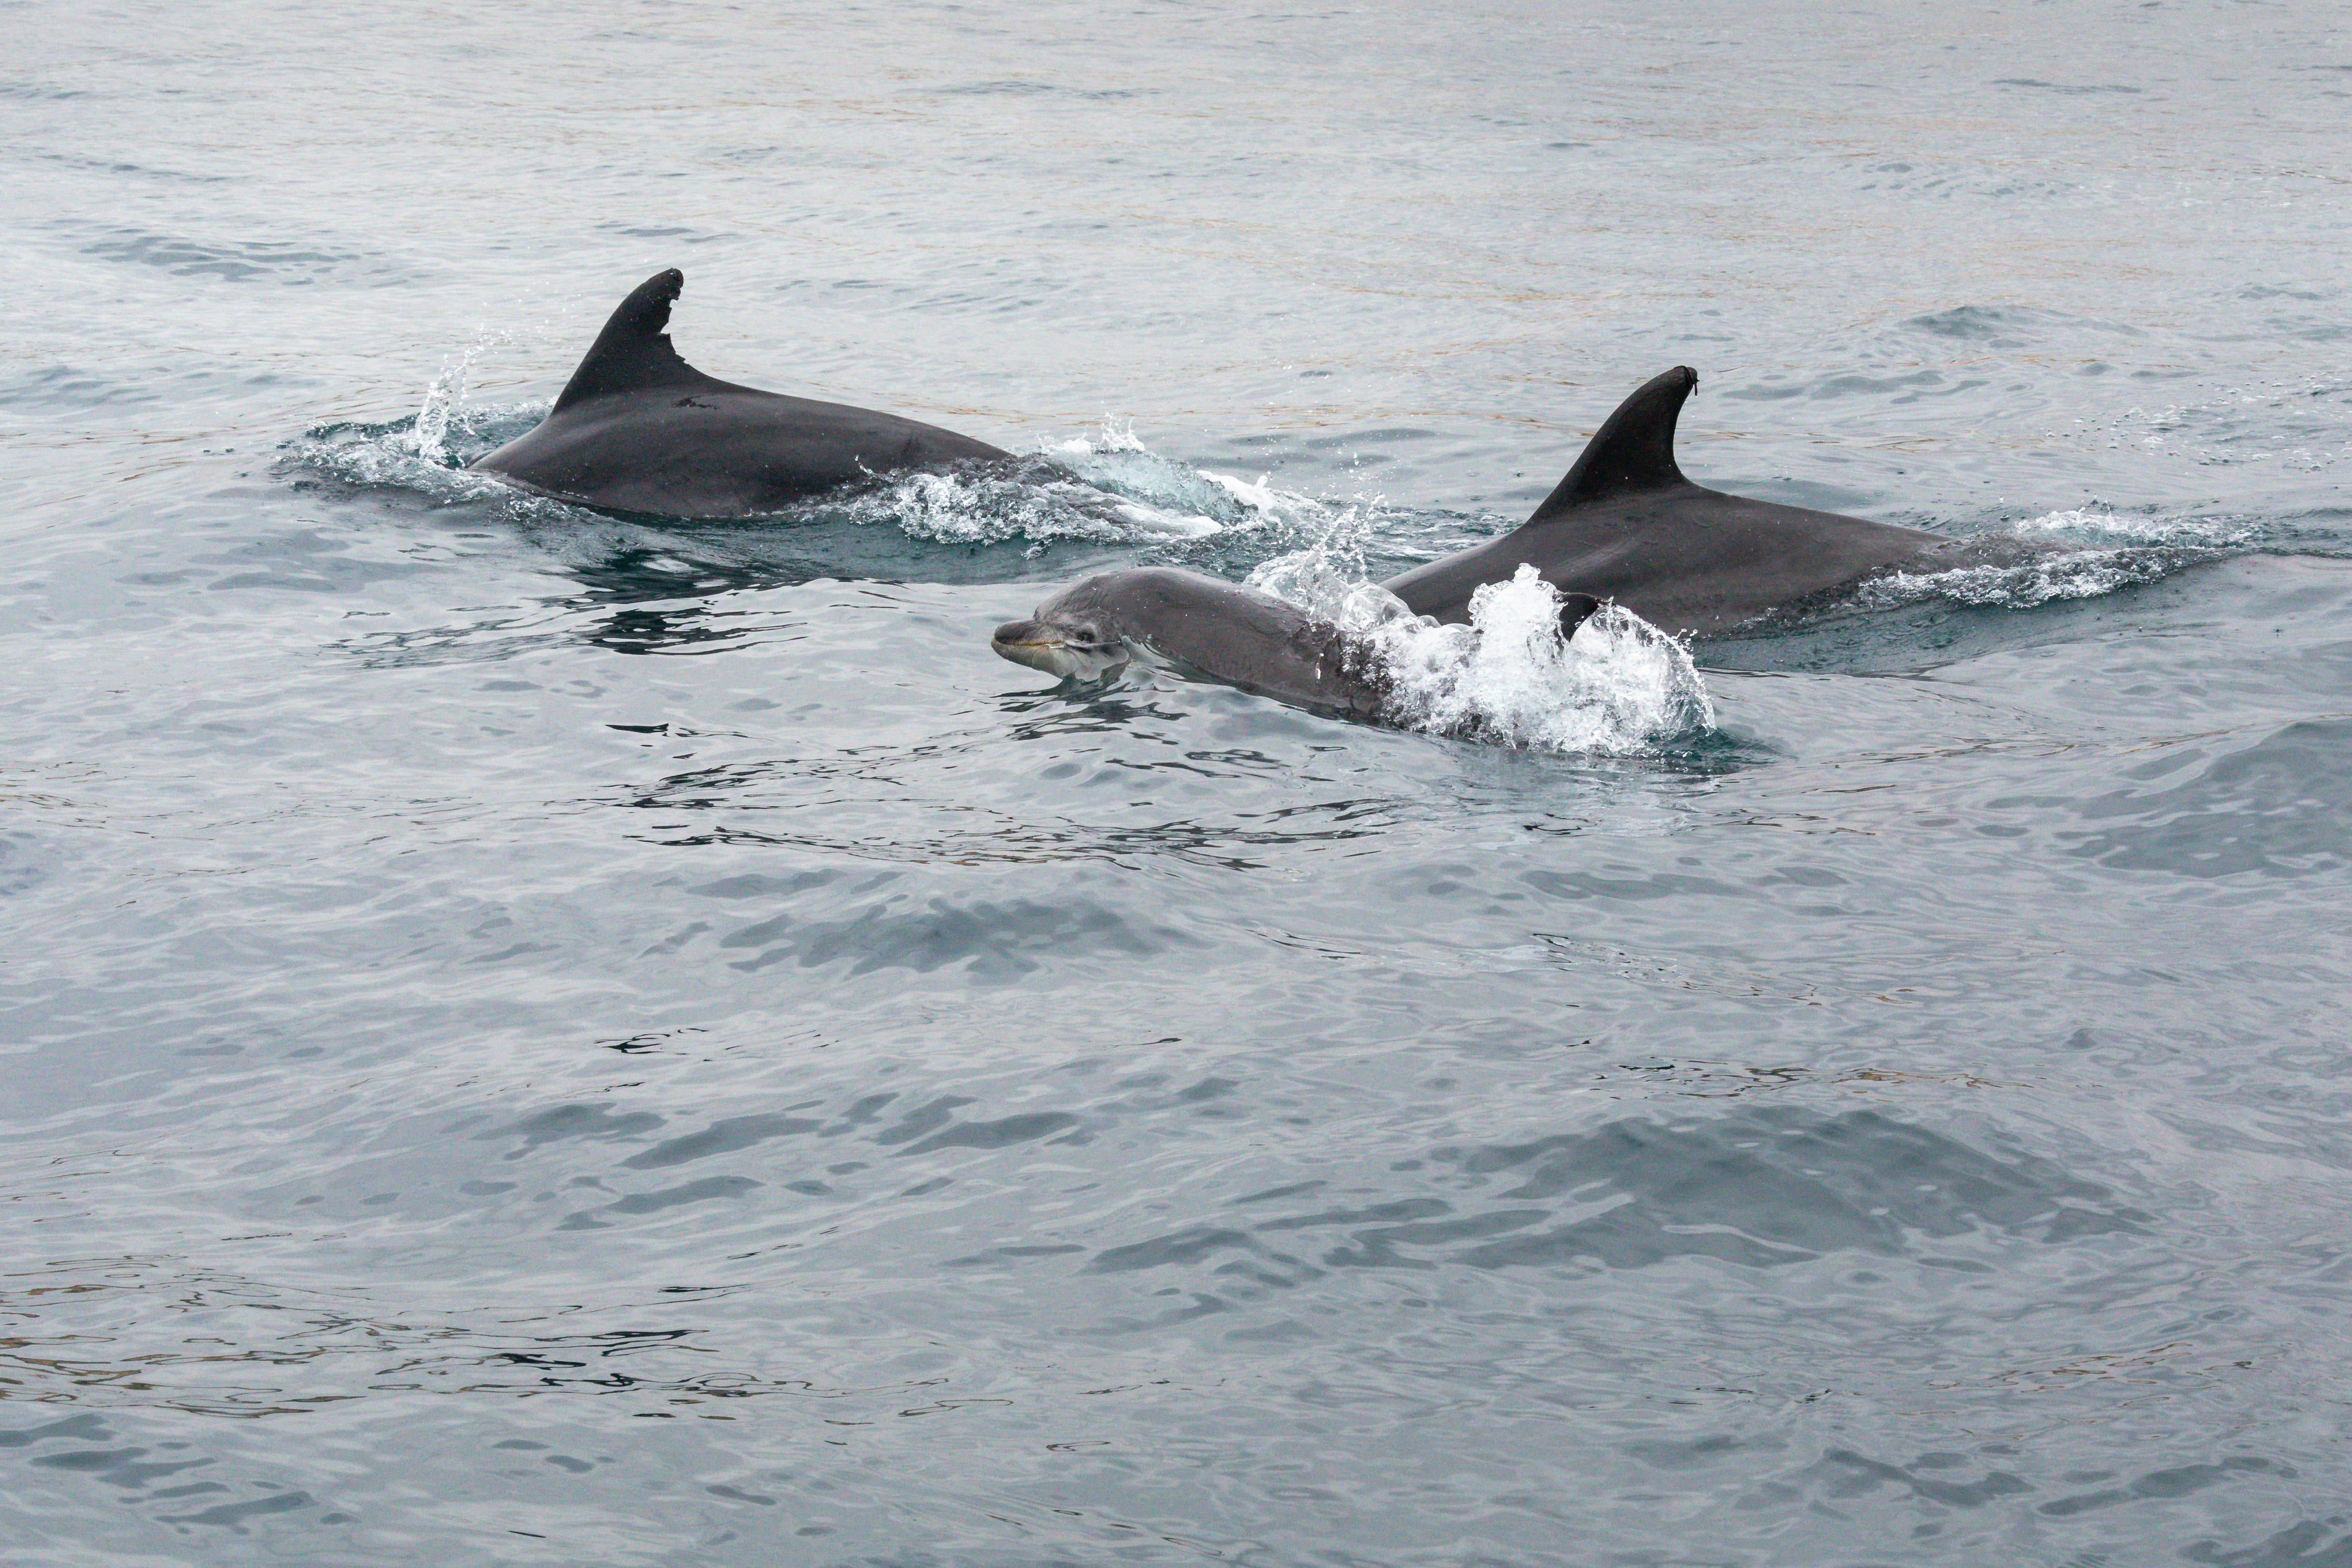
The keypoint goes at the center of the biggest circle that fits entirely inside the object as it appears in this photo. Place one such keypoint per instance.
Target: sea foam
(1618, 687)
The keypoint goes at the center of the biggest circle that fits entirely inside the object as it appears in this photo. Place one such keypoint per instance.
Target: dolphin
(1226, 632)
(639, 430)
(1222, 630)
(1625, 525)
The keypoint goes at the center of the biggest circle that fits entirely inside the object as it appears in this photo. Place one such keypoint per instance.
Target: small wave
(1104, 487)
(985, 507)
(2071, 574)
(1114, 458)
(423, 455)
(2096, 527)
(2031, 563)
(1619, 687)
(426, 454)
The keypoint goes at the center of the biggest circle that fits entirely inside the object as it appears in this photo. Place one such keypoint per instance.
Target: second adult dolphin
(638, 429)
(1626, 524)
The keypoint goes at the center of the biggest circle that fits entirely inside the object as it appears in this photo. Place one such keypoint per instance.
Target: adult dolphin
(1626, 524)
(1222, 630)
(639, 430)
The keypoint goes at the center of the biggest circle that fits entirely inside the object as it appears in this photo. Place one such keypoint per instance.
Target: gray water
(534, 1038)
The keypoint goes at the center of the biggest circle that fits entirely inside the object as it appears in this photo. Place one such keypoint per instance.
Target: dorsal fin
(633, 352)
(1633, 450)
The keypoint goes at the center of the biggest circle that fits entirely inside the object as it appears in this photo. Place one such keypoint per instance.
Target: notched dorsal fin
(633, 352)
(1633, 450)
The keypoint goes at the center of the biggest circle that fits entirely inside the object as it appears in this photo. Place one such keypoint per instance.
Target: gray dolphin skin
(639, 430)
(1220, 629)
(1625, 525)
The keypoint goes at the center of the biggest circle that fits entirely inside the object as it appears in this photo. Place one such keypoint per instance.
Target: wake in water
(2078, 553)
(1618, 687)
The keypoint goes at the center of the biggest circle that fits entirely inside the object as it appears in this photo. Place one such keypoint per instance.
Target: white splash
(2111, 550)
(449, 396)
(988, 509)
(1115, 460)
(1619, 687)
(1116, 434)
(2096, 526)
(2076, 574)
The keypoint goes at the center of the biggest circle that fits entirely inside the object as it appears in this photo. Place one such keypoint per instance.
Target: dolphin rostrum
(639, 430)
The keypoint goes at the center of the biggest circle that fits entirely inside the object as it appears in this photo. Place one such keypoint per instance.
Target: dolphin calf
(1625, 525)
(1220, 629)
(639, 430)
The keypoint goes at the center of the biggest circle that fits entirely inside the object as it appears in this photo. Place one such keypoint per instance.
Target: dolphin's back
(1240, 636)
(1625, 524)
(638, 429)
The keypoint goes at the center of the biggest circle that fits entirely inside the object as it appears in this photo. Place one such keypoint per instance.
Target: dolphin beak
(1039, 645)
(1029, 643)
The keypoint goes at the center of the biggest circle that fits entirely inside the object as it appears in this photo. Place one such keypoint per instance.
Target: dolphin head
(1073, 635)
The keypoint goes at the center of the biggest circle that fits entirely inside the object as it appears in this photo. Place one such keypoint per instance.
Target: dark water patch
(1907, 388)
(700, 622)
(278, 261)
(1767, 1187)
(40, 93)
(760, 885)
(2179, 1480)
(303, 560)
(761, 801)
(1011, 1255)
(116, 169)
(1843, 1475)
(728, 1136)
(1700, 1453)
(21, 867)
(49, 391)
(1029, 86)
(704, 1190)
(2006, 327)
(1958, 180)
(117, 1467)
(988, 943)
(664, 232)
(85, 1427)
(1004, 1133)
(2064, 89)
(571, 1122)
(2313, 1543)
(1760, 1187)
(48, 387)
(2281, 807)
(234, 1516)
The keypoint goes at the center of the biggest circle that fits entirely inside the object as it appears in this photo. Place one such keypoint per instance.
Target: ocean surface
(535, 1038)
